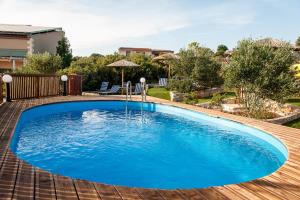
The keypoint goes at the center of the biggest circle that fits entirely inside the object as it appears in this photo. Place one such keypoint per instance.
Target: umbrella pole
(122, 80)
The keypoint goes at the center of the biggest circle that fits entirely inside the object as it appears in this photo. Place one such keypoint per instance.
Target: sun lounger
(137, 89)
(104, 86)
(162, 82)
(113, 90)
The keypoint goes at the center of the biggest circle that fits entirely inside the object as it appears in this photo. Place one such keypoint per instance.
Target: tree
(197, 65)
(221, 49)
(42, 63)
(262, 73)
(94, 70)
(64, 50)
(298, 41)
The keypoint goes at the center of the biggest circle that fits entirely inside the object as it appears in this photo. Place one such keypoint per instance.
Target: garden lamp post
(143, 84)
(7, 79)
(64, 79)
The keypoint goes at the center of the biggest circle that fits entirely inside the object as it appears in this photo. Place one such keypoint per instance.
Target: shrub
(42, 64)
(217, 99)
(191, 98)
(181, 85)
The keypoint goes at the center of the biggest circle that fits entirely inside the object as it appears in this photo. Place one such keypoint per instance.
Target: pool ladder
(128, 90)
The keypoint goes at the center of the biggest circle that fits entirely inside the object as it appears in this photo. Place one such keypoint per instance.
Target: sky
(102, 26)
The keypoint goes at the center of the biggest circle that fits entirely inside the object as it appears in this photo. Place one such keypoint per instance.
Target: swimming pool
(144, 145)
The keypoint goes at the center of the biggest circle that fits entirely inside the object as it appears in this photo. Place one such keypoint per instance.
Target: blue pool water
(144, 145)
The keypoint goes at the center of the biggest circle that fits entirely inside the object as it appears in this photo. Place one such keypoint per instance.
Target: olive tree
(197, 65)
(262, 73)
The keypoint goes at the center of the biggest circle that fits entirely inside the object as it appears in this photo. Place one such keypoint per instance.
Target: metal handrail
(144, 92)
(128, 86)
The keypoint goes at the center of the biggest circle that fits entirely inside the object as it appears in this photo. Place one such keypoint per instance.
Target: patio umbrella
(122, 64)
(165, 57)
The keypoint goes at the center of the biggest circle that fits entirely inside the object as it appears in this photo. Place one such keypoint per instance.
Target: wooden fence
(74, 84)
(26, 86)
(1, 89)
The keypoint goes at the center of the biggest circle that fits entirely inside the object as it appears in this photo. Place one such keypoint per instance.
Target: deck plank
(64, 188)
(211, 193)
(128, 193)
(8, 175)
(107, 191)
(24, 186)
(192, 194)
(86, 190)
(44, 185)
(171, 195)
(152, 194)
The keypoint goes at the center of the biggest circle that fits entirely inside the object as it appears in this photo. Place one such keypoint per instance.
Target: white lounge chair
(104, 86)
(113, 90)
(162, 82)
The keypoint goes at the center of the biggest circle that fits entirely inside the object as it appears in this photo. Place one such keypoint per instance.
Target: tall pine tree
(64, 50)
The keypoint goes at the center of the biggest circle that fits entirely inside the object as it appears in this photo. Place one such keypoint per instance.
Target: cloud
(92, 24)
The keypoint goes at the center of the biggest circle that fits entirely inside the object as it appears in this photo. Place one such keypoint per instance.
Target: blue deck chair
(163, 82)
(137, 89)
(113, 90)
(104, 86)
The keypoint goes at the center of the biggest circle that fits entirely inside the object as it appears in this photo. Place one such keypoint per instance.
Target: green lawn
(204, 100)
(294, 124)
(161, 93)
(294, 101)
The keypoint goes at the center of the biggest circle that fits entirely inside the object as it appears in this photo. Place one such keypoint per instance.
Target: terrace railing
(26, 86)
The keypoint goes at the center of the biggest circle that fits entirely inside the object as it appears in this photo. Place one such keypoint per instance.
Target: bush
(181, 85)
(94, 70)
(41, 64)
(217, 99)
(191, 98)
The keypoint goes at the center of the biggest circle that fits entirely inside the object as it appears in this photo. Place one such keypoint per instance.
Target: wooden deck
(20, 180)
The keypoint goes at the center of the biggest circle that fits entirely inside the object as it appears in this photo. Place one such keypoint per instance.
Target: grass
(294, 101)
(161, 93)
(204, 99)
(294, 124)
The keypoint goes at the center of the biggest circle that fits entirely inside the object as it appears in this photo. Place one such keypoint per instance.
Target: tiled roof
(144, 49)
(133, 49)
(25, 29)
